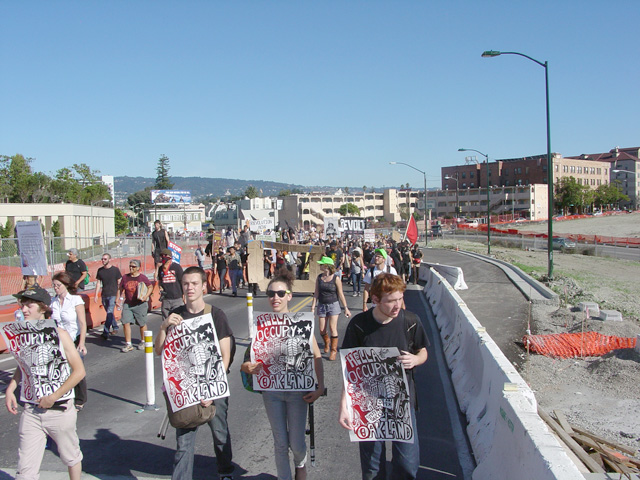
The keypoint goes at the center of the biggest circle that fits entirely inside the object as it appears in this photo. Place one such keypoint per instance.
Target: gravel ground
(599, 394)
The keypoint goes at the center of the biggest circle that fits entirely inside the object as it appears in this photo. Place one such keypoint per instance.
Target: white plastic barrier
(508, 438)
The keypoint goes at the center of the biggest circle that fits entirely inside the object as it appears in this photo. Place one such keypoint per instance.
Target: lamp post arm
(525, 56)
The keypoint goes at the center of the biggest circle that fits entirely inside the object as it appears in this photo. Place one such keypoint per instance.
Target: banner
(170, 197)
(37, 348)
(331, 225)
(412, 231)
(282, 343)
(176, 252)
(261, 226)
(352, 225)
(33, 259)
(377, 394)
(192, 368)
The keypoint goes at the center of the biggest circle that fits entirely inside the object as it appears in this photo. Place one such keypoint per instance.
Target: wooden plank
(604, 452)
(562, 420)
(595, 437)
(571, 443)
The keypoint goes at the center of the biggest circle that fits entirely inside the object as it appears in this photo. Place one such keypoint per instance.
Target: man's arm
(410, 360)
(98, 288)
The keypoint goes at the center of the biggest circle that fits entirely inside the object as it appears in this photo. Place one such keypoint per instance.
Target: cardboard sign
(176, 252)
(377, 394)
(37, 348)
(33, 259)
(192, 367)
(282, 343)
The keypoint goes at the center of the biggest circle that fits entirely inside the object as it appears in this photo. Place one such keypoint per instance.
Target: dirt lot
(600, 394)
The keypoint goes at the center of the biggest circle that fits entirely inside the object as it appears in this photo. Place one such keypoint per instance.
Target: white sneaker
(354, 294)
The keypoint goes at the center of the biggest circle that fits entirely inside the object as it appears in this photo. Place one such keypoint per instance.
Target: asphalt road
(118, 441)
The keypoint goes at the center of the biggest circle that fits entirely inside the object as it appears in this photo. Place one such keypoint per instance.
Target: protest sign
(331, 225)
(33, 259)
(377, 394)
(192, 368)
(352, 225)
(176, 252)
(282, 343)
(40, 356)
(369, 235)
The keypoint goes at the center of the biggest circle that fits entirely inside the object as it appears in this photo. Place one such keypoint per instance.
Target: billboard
(170, 197)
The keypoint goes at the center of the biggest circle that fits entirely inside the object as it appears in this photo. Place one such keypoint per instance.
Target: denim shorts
(328, 309)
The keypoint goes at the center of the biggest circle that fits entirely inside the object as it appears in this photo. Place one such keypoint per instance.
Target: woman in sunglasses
(287, 411)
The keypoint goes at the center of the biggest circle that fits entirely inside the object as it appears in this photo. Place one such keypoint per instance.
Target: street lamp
(486, 160)
(424, 175)
(493, 53)
(449, 177)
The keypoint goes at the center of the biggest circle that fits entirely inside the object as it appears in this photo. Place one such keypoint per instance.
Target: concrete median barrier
(508, 437)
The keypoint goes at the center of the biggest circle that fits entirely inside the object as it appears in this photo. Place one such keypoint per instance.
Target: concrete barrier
(453, 275)
(508, 437)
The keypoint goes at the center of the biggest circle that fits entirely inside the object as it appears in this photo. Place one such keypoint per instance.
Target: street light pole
(426, 221)
(545, 65)
(449, 177)
(486, 161)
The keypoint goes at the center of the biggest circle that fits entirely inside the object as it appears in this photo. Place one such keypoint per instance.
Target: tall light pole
(486, 161)
(449, 177)
(545, 65)
(424, 175)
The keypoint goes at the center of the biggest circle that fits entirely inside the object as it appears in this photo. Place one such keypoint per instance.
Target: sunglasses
(133, 266)
(280, 293)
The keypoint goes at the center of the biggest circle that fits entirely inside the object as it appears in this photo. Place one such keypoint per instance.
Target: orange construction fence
(572, 345)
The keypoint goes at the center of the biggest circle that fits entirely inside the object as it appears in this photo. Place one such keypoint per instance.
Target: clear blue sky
(313, 93)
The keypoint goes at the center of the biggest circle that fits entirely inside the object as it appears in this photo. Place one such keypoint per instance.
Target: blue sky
(312, 93)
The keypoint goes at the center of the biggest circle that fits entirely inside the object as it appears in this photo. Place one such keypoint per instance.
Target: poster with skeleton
(377, 394)
(192, 367)
(40, 356)
(282, 342)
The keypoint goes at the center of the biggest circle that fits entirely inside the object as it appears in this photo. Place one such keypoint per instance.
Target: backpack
(86, 279)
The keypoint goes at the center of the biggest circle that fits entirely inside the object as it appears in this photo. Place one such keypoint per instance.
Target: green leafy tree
(570, 194)
(284, 193)
(296, 191)
(346, 190)
(609, 195)
(251, 192)
(162, 174)
(7, 230)
(348, 209)
(364, 189)
(20, 179)
(120, 221)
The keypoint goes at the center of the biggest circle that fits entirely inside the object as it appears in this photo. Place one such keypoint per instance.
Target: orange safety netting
(570, 345)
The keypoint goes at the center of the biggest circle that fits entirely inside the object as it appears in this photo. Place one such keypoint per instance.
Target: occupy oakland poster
(282, 343)
(377, 394)
(192, 367)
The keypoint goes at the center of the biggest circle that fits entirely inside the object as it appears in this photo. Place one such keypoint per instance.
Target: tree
(364, 189)
(284, 193)
(162, 174)
(19, 179)
(569, 193)
(348, 209)
(120, 221)
(7, 230)
(346, 190)
(251, 192)
(609, 195)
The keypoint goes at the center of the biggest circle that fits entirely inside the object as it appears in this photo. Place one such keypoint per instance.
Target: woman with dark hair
(287, 411)
(68, 311)
(327, 296)
(49, 415)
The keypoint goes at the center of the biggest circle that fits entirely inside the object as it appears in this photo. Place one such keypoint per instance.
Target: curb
(533, 290)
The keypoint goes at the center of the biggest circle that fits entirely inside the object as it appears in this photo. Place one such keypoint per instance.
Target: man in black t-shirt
(194, 282)
(108, 281)
(170, 282)
(159, 241)
(388, 325)
(76, 268)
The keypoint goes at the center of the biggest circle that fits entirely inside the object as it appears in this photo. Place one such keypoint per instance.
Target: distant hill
(201, 187)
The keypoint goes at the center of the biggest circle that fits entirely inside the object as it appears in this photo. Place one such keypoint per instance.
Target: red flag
(412, 231)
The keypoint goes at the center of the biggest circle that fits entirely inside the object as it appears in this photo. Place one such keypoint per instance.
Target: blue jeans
(235, 274)
(355, 280)
(186, 439)
(405, 459)
(109, 304)
(221, 273)
(287, 413)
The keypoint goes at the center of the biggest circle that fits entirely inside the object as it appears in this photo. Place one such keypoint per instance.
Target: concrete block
(593, 307)
(610, 316)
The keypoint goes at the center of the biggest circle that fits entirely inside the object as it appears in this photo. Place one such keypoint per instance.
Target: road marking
(10, 357)
(302, 304)
(439, 471)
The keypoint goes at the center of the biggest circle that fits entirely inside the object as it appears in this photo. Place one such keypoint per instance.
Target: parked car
(560, 243)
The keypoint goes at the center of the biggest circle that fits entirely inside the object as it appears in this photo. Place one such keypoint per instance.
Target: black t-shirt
(75, 269)
(221, 261)
(109, 278)
(336, 256)
(364, 331)
(159, 241)
(220, 322)
(171, 281)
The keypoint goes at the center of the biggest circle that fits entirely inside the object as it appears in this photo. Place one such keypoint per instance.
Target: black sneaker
(105, 335)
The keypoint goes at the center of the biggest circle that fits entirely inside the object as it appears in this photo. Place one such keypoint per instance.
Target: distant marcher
(200, 257)
(234, 264)
(134, 308)
(159, 241)
(76, 269)
(170, 283)
(220, 263)
(108, 280)
(68, 311)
